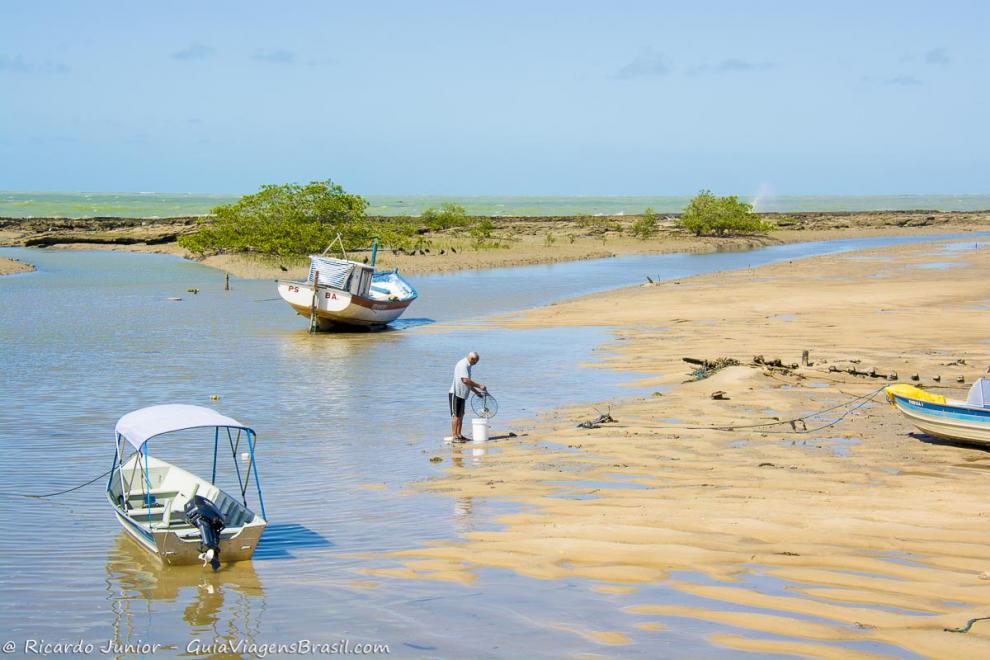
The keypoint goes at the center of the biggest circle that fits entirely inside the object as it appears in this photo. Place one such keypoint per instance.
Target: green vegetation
(481, 234)
(646, 226)
(707, 214)
(483, 229)
(293, 219)
(449, 215)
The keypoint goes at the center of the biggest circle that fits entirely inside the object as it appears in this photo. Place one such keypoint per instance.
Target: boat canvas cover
(333, 272)
(141, 425)
(393, 285)
(979, 394)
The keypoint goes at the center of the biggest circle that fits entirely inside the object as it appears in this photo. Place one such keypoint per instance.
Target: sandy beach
(11, 266)
(790, 538)
(516, 241)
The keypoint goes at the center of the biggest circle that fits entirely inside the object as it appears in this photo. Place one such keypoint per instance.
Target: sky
(496, 98)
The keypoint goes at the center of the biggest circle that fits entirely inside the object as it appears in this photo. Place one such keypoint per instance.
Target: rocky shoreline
(515, 241)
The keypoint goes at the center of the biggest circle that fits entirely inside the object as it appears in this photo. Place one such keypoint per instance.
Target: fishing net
(484, 406)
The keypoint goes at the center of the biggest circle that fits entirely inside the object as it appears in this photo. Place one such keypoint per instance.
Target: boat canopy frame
(140, 426)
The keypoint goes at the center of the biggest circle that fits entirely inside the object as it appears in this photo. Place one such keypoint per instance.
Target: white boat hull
(175, 542)
(335, 307)
(175, 550)
(952, 420)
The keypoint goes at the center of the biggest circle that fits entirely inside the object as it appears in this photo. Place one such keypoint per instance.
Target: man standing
(460, 389)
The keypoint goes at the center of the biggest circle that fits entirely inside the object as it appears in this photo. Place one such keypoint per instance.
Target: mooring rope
(60, 492)
(863, 400)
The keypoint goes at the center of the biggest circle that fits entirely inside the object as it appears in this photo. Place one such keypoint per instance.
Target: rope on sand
(860, 401)
(969, 624)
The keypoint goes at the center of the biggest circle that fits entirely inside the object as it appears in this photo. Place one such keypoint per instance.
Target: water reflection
(463, 456)
(468, 454)
(332, 345)
(227, 604)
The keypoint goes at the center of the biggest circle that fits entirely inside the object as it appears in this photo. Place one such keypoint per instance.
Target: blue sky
(583, 98)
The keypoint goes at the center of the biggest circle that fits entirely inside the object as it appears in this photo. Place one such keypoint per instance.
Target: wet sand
(11, 266)
(826, 543)
(515, 241)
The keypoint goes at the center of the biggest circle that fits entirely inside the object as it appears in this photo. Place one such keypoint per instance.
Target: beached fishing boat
(176, 515)
(340, 292)
(962, 421)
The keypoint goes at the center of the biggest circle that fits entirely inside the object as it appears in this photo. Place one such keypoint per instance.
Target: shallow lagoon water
(345, 424)
(939, 265)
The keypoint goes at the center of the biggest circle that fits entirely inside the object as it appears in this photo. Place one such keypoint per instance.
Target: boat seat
(178, 503)
(235, 517)
(175, 524)
(144, 513)
(156, 494)
(212, 493)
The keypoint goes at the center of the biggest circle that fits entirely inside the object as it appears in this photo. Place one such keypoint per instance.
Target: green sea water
(145, 205)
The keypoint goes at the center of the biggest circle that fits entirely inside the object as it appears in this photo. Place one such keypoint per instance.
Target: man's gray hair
(474, 355)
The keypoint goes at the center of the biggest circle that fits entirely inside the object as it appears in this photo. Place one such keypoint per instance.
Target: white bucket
(480, 429)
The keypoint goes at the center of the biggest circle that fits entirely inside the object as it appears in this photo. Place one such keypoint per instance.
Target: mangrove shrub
(645, 226)
(708, 215)
(293, 219)
(449, 215)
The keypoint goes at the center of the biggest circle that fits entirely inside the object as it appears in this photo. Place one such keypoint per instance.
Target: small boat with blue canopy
(178, 516)
(961, 421)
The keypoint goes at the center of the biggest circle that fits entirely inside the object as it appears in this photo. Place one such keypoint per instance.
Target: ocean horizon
(152, 204)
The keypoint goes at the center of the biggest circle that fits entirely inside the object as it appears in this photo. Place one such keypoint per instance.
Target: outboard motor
(205, 515)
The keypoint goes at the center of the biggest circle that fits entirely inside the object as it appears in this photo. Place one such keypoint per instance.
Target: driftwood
(872, 373)
(708, 367)
(776, 363)
(597, 422)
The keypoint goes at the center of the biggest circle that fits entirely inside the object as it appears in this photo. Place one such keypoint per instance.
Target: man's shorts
(456, 405)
